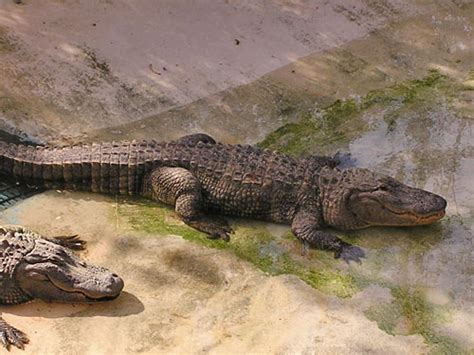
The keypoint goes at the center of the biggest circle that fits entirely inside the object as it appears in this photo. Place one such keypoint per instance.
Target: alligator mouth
(88, 299)
(101, 299)
(85, 298)
(419, 218)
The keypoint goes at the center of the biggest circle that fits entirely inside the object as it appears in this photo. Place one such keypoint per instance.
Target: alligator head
(358, 198)
(53, 273)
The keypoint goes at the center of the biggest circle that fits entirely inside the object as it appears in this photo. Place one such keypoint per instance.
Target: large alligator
(199, 176)
(33, 267)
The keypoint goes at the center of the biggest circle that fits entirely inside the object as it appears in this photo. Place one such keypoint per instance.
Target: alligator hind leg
(178, 187)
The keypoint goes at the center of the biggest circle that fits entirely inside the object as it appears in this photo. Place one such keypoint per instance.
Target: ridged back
(121, 167)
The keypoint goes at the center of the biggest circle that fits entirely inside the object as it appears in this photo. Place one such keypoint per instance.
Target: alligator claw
(349, 253)
(12, 336)
(221, 232)
(214, 227)
(70, 241)
(223, 236)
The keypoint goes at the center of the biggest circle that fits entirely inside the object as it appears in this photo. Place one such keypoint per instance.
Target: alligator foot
(215, 227)
(306, 226)
(12, 336)
(70, 241)
(348, 252)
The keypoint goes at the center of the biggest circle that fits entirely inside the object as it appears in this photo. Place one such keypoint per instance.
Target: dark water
(11, 192)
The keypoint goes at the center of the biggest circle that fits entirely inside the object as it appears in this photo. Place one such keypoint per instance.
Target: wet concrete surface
(396, 96)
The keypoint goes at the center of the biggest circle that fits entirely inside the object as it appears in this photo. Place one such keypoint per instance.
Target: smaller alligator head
(53, 273)
(35, 268)
(358, 198)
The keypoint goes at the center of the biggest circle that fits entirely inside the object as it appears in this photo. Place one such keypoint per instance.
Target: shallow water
(425, 143)
(432, 148)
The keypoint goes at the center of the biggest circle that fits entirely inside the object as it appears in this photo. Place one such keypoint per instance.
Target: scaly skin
(201, 177)
(33, 267)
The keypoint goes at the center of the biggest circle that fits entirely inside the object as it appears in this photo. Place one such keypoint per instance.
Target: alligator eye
(384, 188)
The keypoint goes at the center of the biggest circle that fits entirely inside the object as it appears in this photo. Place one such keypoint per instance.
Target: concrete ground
(239, 70)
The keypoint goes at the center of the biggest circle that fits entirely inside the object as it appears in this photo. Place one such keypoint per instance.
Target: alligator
(35, 267)
(204, 179)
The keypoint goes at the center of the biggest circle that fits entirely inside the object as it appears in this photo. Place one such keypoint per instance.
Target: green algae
(316, 132)
(336, 125)
(410, 313)
(406, 92)
(251, 242)
(154, 218)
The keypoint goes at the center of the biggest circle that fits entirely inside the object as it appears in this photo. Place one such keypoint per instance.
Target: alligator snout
(115, 286)
(429, 203)
(439, 203)
(99, 284)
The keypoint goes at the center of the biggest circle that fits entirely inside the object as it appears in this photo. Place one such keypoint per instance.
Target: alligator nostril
(439, 202)
(115, 275)
(443, 203)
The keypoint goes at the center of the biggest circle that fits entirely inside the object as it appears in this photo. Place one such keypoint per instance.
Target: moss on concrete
(410, 313)
(154, 218)
(334, 126)
(315, 130)
(251, 242)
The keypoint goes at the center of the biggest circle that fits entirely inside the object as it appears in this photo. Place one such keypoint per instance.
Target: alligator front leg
(306, 227)
(12, 336)
(179, 187)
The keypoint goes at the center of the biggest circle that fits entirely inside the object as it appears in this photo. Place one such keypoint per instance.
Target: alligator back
(122, 167)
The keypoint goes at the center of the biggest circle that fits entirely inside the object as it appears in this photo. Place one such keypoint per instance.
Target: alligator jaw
(418, 219)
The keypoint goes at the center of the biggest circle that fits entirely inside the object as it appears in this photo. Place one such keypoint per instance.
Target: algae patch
(411, 313)
(251, 242)
(325, 130)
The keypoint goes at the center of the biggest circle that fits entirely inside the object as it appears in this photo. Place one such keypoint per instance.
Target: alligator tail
(115, 168)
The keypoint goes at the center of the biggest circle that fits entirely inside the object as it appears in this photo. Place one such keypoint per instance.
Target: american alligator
(201, 177)
(34, 267)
